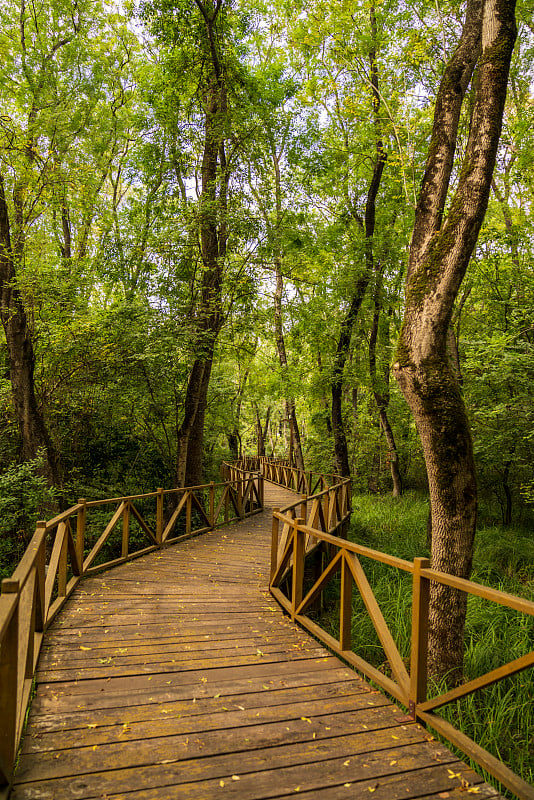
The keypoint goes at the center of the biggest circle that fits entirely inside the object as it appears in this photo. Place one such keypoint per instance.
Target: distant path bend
(177, 677)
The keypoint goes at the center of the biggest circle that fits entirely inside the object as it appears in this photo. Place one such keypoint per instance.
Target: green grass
(501, 717)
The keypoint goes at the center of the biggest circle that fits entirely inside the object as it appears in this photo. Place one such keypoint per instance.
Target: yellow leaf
(221, 783)
(391, 763)
(453, 775)
(236, 778)
(85, 648)
(346, 763)
(347, 784)
(92, 725)
(305, 719)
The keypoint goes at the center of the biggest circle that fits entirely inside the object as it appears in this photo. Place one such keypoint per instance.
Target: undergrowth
(499, 718)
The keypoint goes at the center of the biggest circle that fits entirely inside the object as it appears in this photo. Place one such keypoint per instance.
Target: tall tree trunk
(381, 394)
(213, 241)
(261, 430)
(291, 413)
(21, 355)
(341, 455)
(439, 255)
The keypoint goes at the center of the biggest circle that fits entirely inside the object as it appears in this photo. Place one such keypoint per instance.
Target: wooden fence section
(409, 687)
(279, 471)
(85, 539)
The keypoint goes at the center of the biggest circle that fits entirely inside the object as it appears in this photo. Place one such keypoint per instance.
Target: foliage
(25, 497)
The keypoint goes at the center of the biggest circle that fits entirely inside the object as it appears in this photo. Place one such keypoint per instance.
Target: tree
(57, 93)
(441, 247)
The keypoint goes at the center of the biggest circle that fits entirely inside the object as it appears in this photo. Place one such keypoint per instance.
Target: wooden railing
(279, 471)
(409, 687)
(86, 538)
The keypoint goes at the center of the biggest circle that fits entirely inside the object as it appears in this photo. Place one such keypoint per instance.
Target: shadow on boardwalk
(177, 676)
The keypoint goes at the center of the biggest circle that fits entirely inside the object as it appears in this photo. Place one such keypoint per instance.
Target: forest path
(176, 675)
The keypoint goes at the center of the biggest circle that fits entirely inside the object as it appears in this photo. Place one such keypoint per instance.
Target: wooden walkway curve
(176, 675)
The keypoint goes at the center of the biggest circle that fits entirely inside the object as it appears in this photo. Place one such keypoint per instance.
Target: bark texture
(439, 255)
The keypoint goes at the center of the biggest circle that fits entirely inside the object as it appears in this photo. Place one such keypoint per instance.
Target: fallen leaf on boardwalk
(466, 787)
(241, 708)
(92, 725)
(85, 648)
(347, 784)
(346, 763)
(236, 778)
(306, 719)
(394, 737)
(444, 794)
(221, 784)
(264, 687)
(216, 695)
(453, 775)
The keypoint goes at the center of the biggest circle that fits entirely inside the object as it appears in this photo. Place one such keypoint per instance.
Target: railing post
(419, 654)
(159, 516)
(304, 507)
(125, 544)
(188, 511)
(298, 566)
(275, 530)
(345, 607)
(326, 509)
(62, 566)
(81, 520)
(261, 489)
(240, 493)
(40, 580)
(9, 682)
(212, 504)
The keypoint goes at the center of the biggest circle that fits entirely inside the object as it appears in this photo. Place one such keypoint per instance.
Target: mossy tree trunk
(440, 250)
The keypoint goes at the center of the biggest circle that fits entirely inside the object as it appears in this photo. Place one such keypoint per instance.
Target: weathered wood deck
(177, 676)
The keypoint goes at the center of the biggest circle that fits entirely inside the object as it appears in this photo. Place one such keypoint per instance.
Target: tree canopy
(208, 213)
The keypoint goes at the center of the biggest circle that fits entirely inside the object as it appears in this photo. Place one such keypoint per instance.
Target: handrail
(75, 540)
(409, 687)
(279, 471)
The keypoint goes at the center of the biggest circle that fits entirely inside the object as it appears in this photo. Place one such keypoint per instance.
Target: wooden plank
(182, 769)
(190, 675)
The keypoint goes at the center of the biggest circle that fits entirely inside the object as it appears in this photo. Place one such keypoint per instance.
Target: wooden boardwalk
(177, 676)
